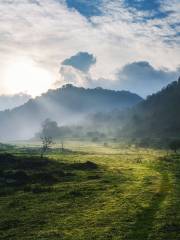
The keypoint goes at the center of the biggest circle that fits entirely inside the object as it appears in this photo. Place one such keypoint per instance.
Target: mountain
(158, 116)
(66, 105)
(12, 101)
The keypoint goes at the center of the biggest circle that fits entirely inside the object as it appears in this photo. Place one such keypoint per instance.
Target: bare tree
(46, 143)
(62, 145)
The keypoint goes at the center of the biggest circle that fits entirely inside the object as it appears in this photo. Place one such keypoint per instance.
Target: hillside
(158, 116)
(66, 105)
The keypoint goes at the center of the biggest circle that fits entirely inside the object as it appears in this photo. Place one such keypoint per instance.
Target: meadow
(89, 192)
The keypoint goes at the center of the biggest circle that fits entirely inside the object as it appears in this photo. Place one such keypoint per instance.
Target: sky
(118, 44)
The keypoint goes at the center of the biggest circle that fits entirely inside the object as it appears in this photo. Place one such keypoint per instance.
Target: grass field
(91, 192)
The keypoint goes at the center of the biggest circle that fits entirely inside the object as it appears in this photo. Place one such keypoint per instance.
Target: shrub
(85, 166)
(174, 145)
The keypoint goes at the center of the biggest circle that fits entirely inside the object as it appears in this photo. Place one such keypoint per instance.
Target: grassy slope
(132, 194)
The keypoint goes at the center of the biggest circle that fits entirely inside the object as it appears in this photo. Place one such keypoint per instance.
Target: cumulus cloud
(81, 61)
(143, 78)
(75, 70)
(138, 77)
(115, 32)
(70, 75)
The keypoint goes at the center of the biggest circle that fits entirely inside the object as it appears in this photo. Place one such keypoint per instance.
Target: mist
(68, 106)
(12, 101)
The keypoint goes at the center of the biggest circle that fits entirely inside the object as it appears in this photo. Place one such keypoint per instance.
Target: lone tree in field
(174, 145)
(46, 143)
(62, 145)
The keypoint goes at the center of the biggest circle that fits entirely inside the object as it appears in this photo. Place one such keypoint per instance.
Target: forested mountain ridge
(157, 116)
(65, 105)
(91, 100)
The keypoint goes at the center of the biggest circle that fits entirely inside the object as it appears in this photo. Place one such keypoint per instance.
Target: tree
(46, 143)
(62, 145)
(50, 128)
(174, 145)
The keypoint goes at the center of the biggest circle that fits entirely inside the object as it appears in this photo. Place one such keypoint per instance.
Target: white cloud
(48, 32)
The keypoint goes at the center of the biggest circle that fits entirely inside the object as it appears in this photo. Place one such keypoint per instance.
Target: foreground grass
(99, 193)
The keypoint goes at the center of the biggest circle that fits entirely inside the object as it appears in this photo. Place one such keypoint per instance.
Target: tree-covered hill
(66, 105)
(158, 116)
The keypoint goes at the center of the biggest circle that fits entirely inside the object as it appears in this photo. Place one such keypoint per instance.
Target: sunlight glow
(24, 75)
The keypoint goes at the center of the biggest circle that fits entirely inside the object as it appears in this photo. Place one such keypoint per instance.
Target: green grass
(93, 192)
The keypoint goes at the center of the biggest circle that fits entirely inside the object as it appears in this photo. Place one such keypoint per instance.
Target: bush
(85, 166)
(174, 145)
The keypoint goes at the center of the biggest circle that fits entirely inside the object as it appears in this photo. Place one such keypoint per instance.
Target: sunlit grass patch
(92, 193)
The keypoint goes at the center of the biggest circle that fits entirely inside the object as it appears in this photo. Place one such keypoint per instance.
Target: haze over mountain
(12, 101)
(66, 105)
(157, 117)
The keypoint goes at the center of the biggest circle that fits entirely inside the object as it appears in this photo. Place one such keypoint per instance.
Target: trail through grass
(111, 194)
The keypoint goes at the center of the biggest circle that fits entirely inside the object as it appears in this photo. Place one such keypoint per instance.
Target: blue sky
(85, 7)
(90, 8)
(117, 33)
